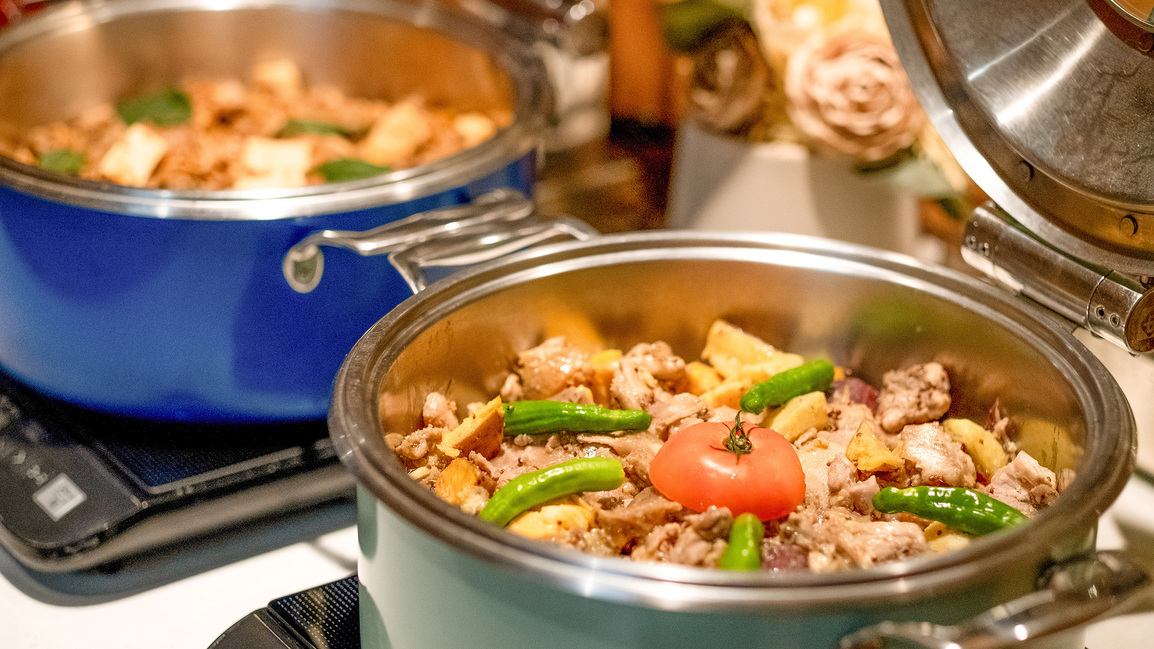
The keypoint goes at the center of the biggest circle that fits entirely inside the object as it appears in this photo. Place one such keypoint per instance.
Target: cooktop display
(82, 489)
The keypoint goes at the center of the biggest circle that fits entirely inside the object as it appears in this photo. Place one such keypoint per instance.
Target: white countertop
(187, 604)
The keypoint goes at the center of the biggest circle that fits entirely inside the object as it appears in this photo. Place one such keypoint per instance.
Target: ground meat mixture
(851, 441)
(271, 130)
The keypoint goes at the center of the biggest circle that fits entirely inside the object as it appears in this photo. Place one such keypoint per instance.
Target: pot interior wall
(84, 56)
(865, 318)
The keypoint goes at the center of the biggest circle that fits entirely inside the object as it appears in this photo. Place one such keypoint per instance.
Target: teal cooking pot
(433, 577)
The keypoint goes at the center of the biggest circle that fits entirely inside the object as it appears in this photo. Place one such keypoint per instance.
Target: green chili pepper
(531, 489)
(164, 108)
(965, 510)
(294, 127)
(63, 161)
(547, 417)
(744, 549)
(343, 169)
(814, 376)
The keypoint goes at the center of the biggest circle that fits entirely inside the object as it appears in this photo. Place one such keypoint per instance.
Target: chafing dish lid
(1049, 106)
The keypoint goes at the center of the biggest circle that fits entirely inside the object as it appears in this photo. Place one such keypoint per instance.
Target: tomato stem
(737, 442)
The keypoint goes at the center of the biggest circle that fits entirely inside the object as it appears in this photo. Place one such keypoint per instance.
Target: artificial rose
(847, 94)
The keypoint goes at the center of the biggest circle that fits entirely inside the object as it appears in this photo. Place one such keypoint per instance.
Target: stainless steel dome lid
(1047, 105)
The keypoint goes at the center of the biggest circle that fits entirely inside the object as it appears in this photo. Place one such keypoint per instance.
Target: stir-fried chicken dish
(271, 130)
(747, 458)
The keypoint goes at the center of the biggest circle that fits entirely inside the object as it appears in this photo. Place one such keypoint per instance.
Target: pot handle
(1075, 593)
(479, 243)
(303, 264)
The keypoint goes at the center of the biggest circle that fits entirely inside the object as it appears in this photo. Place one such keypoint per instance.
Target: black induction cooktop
(325, 617)
(83, 490)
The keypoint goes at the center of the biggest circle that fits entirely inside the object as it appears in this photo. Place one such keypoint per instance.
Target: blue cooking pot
(175, 305)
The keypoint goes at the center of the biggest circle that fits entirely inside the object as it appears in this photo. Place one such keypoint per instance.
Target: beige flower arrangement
(822, 73)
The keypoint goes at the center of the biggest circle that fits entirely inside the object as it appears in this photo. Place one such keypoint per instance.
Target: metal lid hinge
(1110, 304)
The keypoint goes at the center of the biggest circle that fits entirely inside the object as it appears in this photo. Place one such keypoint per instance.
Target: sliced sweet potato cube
(456, 481)
(738, 354)
(979, 443)
(800, 414)
(870, 454)
(481, 431)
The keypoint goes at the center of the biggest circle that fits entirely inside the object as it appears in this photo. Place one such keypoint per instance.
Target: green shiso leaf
(168, 107)
(294, 127)
(63, 161)
(344, 169)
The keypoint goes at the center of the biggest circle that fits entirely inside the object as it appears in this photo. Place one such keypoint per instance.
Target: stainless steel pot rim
(510, 143)
(1103, 473)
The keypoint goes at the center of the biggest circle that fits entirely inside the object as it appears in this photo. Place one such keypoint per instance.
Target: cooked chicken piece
(837, 538)
(1025, 484)
(917, 395)
(844, 420)
(816, 456)
(134, 157)
(937, 459)
(439, 411)
(551, 367)
(629, 522)
(698, 540)
(846, 490)
(671, 409)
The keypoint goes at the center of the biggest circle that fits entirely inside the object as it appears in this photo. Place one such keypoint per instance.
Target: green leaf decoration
(169, 107)
(686, 24)
(294, 127)
(63, 161)
(345, 169)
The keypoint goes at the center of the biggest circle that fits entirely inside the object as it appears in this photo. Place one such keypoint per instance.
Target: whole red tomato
(696, 469)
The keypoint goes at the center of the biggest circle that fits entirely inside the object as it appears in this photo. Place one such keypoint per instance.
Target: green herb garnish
(294, 127)
(63, 161)
(344, 169)
(164, 108)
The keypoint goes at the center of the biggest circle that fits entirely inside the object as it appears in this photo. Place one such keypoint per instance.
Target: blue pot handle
(488, 227)
(1077, 592)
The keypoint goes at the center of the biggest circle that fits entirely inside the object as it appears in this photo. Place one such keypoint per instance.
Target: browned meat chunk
(937, 459)
(418, 444)
(779, 557)
(844, 419)
(659, 360)
(629, 523)
(640, 373)
(816, 457)
(1025, 484)
(838, 538)
(917, 395)
(636, 451)
(668, 411)
(698, 540)
(551, 367)
(440, 411)
(847, 491)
